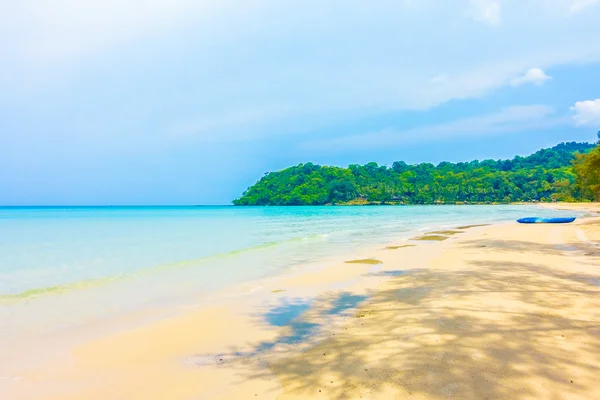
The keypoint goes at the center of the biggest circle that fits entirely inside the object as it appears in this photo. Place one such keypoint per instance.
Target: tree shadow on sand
(493, 330)
(301, 319)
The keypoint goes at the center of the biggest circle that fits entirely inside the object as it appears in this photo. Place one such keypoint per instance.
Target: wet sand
(506, 311)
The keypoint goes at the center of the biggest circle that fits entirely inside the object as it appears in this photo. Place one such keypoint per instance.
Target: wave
(95, 282)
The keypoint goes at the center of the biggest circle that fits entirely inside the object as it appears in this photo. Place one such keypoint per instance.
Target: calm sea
(127, 257)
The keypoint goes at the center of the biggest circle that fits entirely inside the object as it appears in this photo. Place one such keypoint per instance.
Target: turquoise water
(46, 247)
(63, 268)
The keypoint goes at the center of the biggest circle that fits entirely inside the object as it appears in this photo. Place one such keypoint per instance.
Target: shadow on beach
(496, 329)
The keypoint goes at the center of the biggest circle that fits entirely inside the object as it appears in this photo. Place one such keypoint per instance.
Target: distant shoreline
(545, 176)
(369, 204)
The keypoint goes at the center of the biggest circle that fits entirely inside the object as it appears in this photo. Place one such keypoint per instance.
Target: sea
(77, 264)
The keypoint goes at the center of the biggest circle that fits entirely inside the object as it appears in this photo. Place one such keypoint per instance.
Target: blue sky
(190, 102)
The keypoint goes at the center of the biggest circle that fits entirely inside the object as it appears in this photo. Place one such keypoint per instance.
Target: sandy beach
(504, 311)
(298, 200)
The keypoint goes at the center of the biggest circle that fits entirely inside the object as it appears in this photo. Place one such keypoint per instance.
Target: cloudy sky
(191, 101)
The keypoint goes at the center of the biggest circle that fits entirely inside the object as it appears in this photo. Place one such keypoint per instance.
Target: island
(567, 172)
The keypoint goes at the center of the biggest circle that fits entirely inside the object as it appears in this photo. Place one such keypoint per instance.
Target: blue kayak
(533, 220)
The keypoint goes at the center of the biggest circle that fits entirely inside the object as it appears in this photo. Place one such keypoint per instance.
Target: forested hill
(541, 176)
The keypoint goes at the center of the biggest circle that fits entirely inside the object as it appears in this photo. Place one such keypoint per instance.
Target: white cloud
(218, 68)
(579, 5)
(587, 112)
(487, 11)
(510, 119)
(537, 76)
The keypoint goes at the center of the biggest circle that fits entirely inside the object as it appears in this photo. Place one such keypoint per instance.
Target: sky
(106, 102)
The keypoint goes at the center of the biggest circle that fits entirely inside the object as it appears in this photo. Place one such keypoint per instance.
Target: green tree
(587, 171)
(564, 172)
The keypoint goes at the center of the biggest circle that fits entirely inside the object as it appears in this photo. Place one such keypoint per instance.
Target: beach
(499, 311)
(294, 200)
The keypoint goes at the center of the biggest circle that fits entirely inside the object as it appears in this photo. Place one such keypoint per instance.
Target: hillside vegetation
(543, 176)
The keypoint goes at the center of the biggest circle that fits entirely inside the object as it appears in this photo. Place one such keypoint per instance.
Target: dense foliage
(587, 172)
(542, 176)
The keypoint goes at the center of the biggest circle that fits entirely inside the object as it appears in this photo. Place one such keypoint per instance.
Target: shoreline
(71, 286)
(199, 352)
(93, 282)
(365, 203)
(331, 266)
(90, 291)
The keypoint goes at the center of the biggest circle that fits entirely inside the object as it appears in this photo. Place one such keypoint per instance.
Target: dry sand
(505, 311)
